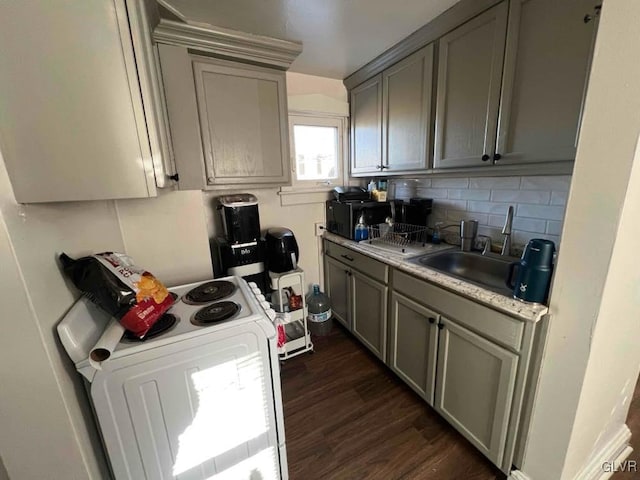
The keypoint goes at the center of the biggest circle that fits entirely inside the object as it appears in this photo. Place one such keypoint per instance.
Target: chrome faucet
(506, 231)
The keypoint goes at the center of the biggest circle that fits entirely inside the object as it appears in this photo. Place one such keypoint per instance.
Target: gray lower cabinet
(336, 276)
(475, 386)
(413, 343)
(369, 320)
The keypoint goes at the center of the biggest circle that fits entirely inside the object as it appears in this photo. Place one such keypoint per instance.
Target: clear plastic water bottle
(319, 316)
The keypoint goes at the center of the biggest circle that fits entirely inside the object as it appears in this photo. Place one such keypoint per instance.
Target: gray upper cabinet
(228, 120)
(469, 75)
(73, 123)
(413, 343)
(406, 113)
(474, 388)
(545, 69)
(366, 127)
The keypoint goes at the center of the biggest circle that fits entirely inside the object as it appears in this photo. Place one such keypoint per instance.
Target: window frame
(318, 119)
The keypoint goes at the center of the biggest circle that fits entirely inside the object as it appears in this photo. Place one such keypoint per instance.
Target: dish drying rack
(399, 235)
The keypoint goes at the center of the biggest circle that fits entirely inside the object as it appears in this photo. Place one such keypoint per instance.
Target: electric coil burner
(209, 292)
(216, 312)
(165, 323)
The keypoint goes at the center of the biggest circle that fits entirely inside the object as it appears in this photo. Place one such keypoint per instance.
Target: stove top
(209, 292)
(165, 323)
(216, 312)
(85, 322)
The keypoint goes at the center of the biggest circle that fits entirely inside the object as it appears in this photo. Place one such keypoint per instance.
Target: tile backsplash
(539, 203)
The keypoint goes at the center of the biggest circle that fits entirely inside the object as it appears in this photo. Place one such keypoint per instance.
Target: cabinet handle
(347, 257)
(485, 157)
(497, 157)
(432, 320)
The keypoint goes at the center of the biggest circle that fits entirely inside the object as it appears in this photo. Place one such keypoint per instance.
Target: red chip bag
(125, 291)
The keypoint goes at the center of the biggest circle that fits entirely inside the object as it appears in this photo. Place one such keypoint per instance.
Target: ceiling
(339, 36)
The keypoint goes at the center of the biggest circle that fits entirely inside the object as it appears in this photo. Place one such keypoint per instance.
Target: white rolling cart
(296, 329)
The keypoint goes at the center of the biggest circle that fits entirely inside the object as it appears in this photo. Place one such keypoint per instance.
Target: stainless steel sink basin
(487, 271)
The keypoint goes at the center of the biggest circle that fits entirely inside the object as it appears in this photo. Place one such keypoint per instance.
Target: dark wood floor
(348, 417)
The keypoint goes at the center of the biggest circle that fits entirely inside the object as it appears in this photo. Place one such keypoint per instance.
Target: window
(317, 150)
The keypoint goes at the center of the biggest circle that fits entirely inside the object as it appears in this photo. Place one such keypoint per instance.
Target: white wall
(592, 357)
(539, 203)
(47, 429)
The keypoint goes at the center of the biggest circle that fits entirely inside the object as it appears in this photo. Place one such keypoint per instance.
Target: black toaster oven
(342, 217)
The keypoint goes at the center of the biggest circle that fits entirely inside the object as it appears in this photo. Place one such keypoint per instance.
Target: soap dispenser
(361, 232)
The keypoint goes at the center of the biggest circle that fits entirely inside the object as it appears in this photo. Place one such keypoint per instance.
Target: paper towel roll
(106, 344)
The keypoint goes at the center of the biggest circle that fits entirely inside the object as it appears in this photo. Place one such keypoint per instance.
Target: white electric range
(199, 398)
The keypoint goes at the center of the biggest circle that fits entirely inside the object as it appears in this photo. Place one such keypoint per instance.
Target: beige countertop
(525, 311)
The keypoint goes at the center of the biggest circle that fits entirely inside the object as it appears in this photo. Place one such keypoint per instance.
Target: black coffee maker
(240, 251)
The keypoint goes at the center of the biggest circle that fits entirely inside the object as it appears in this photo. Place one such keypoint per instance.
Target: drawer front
(373, 268)
(483, 320)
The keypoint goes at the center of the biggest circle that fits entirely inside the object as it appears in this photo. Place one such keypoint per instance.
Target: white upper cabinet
(406, 112)
(469, 75)
(545, 70)
(228, 119)
(72, 121)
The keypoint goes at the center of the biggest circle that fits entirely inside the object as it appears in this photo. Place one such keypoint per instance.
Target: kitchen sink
(488, 271)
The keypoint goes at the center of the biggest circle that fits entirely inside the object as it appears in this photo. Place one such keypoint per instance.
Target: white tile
(494, 233)
(450, 182)
(550, 182)
(488, 207)
(554, 228)
(422, 182)
(529, 225)
(450, 204)
(522, 238)
(559, 198)
(521, 196)
(546, 212)
(470, 194)
(456, 216)
(432, 192)
(496, 221)
(495, 182)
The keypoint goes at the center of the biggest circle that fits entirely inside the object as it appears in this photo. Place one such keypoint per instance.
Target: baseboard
(518, 475)
(612, 454)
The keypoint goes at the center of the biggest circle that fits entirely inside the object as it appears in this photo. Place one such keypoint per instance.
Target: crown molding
(228, 43)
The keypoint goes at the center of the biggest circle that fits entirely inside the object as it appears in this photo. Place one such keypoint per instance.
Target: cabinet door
(545, 71)
(406, 112)
(336, 284)
(369, 314)
(72, 125)
(243, 120)
(413, 344)
(474, 388)
(469, 75)
(366, 127)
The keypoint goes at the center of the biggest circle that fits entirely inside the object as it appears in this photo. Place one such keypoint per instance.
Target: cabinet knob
(497, 157)
(432, 320)
(485, 157)
(175, 178)
(378, 167)
(441, 326)
(382, 167)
